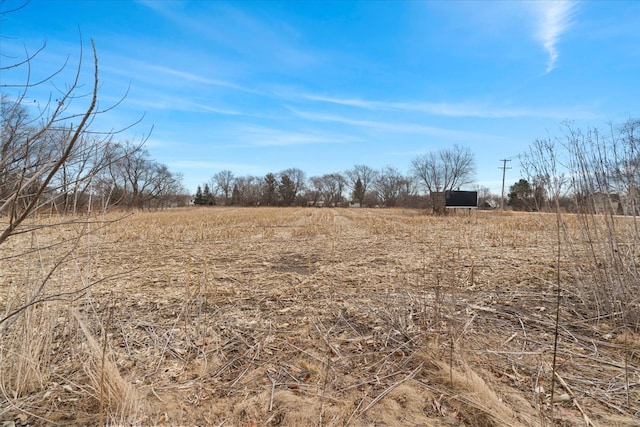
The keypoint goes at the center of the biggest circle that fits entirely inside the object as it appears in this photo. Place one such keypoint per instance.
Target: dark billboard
(461, 199)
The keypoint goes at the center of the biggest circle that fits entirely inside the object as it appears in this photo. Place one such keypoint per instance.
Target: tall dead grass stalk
(102, 362)
(117, 397)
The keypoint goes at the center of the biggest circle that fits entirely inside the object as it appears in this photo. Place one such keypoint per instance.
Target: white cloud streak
(554, 19)
(267, 137)
(201, 80)
(407, 128)
(465, 109)
(176, 103)
(231, 27)
(209, 165)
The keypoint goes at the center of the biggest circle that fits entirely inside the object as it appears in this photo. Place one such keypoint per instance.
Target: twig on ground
(586, 418)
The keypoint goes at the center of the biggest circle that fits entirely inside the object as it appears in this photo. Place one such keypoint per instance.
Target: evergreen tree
(270, 188)
(520, 195)
(198, 199)
(358, 192)
(207, 196)
(287, 190)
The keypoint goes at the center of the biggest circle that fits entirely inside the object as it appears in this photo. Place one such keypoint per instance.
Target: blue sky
(257, 87)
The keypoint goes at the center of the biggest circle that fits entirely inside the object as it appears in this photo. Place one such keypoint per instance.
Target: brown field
(295, 317)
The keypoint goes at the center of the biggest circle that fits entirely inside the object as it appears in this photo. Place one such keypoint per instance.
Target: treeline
(291, 187)
(361, 185)
(97, 170)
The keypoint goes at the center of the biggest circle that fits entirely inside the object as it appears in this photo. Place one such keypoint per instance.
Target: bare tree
(29, 162)
(390, 185)
(334, 186)
(328, 188)
(223, 181)
(249, 190)
(164, 189)
(543, 167)
(315, 190)
(135, 170)
(49, 158)
(366, 175)
(77, 175)
(442, 171)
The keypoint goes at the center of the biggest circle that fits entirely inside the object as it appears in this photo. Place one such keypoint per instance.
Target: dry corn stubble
(312, 316)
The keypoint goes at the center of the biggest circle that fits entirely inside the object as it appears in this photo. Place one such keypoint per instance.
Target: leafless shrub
(50, 162)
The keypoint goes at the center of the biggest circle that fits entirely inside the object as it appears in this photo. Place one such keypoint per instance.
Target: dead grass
(309, 317)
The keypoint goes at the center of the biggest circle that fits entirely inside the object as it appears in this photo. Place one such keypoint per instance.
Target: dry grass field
(302, 316)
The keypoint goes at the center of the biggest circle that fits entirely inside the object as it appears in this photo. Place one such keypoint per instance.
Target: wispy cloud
(465, 109)
(409, 128)
(258, 136)
(440, 109)
(209, 165)
(553, 20)
(229, 27)
(194, 78)
(151, 101)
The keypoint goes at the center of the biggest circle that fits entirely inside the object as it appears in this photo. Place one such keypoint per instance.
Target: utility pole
(504, 171)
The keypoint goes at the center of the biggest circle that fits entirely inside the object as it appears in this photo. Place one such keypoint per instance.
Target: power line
(504, 171)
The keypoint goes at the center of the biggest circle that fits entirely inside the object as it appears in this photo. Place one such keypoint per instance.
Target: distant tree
(409, 196)
(287, 190)
(334, 185)
(292, 183)
(389, 186)
(444, 170)
(270, 190)
(519, 197)
(198, 199)
(327, 188)
(207, 197)
(235, 195)
(366, 176)
(298, 177)
(166, 188)
(223, 182)
(358, 192)
(249, 191)
(315, 191)
(140, 181)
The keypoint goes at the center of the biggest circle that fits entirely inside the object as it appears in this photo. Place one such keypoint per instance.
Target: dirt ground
(304, 316)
